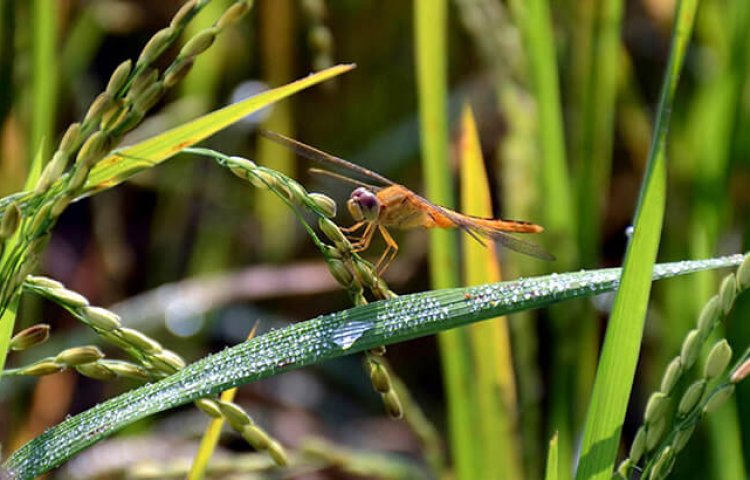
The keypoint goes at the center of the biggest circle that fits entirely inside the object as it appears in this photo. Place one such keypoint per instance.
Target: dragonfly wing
(343, 178)
(508, 241)
(521, 246)
(322, 157)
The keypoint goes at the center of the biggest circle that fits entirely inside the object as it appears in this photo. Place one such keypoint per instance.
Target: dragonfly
(376, 208)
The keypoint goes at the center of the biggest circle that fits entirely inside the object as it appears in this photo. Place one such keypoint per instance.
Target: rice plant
(232, 279)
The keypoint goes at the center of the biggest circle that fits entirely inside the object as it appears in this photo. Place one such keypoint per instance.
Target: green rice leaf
(317, 340)
(616, 370)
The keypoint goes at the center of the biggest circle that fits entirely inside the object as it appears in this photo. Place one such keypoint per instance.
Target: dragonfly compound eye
(363, 205)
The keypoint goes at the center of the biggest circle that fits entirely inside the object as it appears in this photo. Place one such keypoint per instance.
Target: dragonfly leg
(353, 228)
(364, 241)
(390, 252)
(349, 231)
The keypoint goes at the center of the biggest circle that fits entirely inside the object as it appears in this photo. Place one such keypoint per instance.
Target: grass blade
(325, 337)
(277, 30)
(494, 391)
(7, 320)
(597, 84)
(551, 471)
(713, 115)
(614, 377)
(430, 24)
(45, 77)
(118, 167)
(211, 436)
(535, 22)
(557, 215)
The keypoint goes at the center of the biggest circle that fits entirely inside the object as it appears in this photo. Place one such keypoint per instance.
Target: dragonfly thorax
(363, 205)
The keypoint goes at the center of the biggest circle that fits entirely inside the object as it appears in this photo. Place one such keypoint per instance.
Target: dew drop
(285, 363)
(349, 332)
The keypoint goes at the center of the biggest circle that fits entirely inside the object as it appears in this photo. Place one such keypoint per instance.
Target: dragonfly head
(364, 205)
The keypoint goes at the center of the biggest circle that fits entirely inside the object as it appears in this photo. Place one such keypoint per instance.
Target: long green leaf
(44, 83)
(551, 472)
(314, 341)
(556, 213)
(535, 23)
(614, 377)
(596, 83)
(277, 57)
(710, 134)
(7, 320)
(430, 43)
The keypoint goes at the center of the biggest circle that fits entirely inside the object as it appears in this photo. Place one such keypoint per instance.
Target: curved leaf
(129, 161)
(319, 339)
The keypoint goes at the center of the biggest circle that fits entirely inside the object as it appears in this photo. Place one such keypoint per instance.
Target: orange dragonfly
(394, 206)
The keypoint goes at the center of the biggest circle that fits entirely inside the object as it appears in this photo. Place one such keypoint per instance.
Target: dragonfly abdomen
(501, 225)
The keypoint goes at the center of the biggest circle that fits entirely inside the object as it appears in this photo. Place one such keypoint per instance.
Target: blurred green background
(233, 255)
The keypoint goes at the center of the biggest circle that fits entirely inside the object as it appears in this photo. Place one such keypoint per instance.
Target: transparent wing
(343, 178)
(521, 246)
(320, 156)
(508, 241)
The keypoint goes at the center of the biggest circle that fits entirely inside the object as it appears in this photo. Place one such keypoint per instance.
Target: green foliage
(559, 93)
(326, 337)
(623, 339)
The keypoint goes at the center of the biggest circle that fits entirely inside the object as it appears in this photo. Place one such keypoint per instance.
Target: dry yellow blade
(490, 343)
(211, 436)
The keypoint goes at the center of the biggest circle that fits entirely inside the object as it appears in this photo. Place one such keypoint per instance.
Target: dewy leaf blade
(616, 370)
(278, 351)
